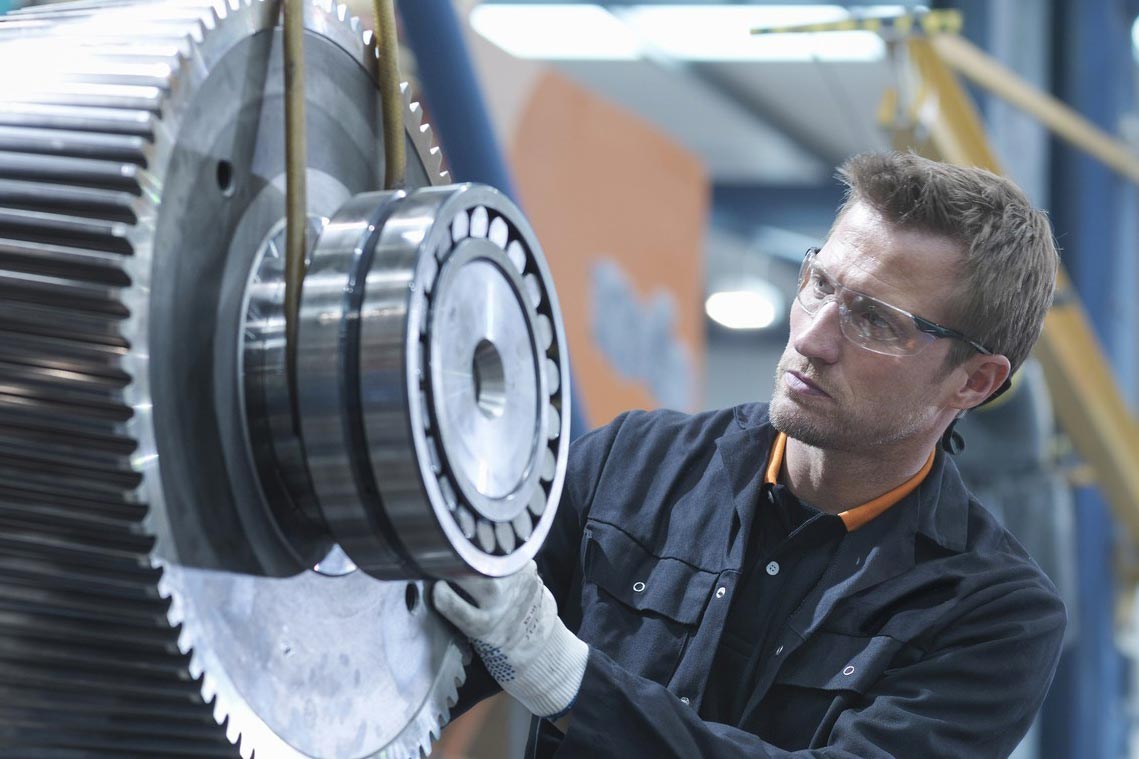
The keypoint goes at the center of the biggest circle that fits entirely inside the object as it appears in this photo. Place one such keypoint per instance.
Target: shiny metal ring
(437, 437)
(487, 405)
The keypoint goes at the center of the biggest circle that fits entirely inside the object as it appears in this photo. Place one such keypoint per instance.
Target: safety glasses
(868, 322)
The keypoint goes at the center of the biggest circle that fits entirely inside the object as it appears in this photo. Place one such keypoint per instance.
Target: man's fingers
(480, 605)
(457, 610)
(491, 592)
(482, 590)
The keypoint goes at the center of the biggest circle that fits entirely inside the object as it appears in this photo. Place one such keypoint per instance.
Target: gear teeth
(57, 143)
(111, 120)
(421, 135)
(84, 640)
(97, 657)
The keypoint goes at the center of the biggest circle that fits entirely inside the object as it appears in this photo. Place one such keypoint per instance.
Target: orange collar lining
(859, 515)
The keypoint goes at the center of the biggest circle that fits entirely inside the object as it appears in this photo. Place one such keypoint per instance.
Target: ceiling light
(557, 31)
(723, 32)
(568, 31)
(1135, 39)
(756, 305)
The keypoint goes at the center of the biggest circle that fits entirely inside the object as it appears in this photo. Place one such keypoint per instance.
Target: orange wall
(598, 183)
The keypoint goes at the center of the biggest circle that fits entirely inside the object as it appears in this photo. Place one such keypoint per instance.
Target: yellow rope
(296, 159)
(395, 156)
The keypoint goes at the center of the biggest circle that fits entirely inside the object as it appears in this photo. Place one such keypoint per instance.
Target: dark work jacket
(931, 634)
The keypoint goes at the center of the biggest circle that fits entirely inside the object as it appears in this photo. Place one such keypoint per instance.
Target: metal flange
(150, 604)
(432, 383)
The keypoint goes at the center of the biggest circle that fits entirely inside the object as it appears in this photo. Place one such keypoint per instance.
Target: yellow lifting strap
(296, 156)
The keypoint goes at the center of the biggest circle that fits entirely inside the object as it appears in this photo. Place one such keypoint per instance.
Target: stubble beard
(813, 426)
(809, 426)
(831, 425)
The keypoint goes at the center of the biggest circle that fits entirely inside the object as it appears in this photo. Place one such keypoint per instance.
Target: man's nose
(818, 337)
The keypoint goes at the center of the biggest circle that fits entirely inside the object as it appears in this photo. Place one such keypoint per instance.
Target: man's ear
(979, 377)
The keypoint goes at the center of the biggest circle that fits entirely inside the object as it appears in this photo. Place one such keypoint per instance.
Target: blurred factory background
(676, 167)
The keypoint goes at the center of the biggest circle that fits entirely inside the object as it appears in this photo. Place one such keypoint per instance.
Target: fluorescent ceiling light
(757, 306)
(723, 32)
(565, 31)
(1135, 39)
(556, 31)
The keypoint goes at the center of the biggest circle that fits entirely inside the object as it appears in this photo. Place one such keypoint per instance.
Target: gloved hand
(516, 631)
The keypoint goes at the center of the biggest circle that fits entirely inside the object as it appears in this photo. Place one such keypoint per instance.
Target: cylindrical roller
(431, 366)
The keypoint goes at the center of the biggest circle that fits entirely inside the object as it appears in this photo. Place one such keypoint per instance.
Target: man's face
(831, 393)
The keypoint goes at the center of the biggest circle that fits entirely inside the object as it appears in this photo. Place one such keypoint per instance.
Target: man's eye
(821, 284)
(871, 316)
(874, 323)
(877, 321)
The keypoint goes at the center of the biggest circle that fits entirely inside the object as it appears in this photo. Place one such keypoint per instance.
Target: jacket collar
(944, 505)
(743, 450)
(938, 508)
(743, 447)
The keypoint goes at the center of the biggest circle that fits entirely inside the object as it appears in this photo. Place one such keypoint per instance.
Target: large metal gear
(195, 561)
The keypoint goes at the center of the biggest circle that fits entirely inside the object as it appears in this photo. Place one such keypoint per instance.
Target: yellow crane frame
(1086, 398)
(1084, 393)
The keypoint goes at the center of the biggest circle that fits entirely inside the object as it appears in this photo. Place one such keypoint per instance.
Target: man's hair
(1009, 256)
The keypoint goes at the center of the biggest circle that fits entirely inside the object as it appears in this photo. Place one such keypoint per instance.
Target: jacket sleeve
(974, 695)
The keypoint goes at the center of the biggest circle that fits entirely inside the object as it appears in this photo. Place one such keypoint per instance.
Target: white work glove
(516, 631)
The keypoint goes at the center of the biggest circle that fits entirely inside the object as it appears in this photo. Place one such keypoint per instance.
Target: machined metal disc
(433, 386)
(497, 389)
(149, 606)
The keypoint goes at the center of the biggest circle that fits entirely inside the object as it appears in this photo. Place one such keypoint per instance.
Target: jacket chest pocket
(836, 662)
(637, 607)
(827, 674)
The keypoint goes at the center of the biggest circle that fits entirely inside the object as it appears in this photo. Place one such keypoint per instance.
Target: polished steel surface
(424, 392)
(273, 437)
(328, 392)
(156, 598)
(425, 426)
(489, 382)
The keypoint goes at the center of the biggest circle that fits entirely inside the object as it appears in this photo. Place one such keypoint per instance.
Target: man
(809, 578)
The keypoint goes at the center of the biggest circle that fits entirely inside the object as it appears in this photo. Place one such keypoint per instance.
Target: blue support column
(459, 115)
(1086, 714)
(453, 95)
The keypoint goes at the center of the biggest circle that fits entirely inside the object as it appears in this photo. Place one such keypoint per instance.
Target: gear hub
(196, 561)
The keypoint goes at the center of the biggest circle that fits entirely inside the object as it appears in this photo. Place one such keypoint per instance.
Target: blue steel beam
(744, 208)
(459, 116)
(1087, 713)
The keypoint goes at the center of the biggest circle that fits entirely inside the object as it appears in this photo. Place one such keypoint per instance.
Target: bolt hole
(225, 178)
(411, 597)
(490, 380)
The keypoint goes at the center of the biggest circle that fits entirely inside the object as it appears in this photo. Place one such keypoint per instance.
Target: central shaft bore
(489, 379)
